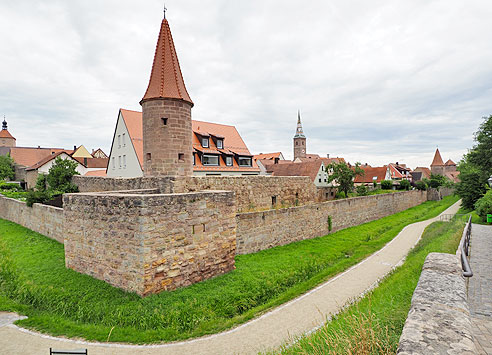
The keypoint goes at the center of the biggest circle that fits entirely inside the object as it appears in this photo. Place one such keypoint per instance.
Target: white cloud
(375, 81)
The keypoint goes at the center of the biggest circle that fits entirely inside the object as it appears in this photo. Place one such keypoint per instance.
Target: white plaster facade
(123, 160)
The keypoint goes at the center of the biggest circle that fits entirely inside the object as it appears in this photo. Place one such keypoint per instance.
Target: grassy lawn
(374, 325)
(59, 301)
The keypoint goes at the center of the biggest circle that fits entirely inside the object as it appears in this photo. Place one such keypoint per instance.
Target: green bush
(484, 205)
(421, 185)
(6, 168)
(60, 176)
(33, 197)
(9, 186)
(436, 181)
(404, 185)
(41, 183)
(362, 190)
(386, 184)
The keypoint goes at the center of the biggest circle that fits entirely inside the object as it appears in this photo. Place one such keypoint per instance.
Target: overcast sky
(376, 81)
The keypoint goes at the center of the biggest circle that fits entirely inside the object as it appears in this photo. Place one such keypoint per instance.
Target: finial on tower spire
(299, 132)
(165, 9)
(4, 123)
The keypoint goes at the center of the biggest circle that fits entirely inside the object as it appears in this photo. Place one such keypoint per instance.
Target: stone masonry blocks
(167, 137)
(147, 243)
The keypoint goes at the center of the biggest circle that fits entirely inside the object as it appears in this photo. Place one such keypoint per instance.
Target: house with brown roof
(265, 159)
(43, 166)
(315, 169)
(218, 150)
(372, 175)
(420, 173)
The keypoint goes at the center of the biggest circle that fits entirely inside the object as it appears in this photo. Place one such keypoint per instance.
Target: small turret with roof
(166, 110)
(299, 139)
(6, 139)
(437, 166)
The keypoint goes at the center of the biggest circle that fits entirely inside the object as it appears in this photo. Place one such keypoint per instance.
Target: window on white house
(220, 144)
(114, 162)
(244, 161)
(210, 160)
(124, 161)
(205, 142)
(228, 161)
(319, 180)
(124, 143)
(119, 161)
(119, 141)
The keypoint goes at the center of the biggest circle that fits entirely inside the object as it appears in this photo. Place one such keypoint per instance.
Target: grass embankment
(35, 282)
(374, 325)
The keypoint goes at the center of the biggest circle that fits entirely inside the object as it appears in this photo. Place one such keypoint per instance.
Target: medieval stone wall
(253, 193)
(46, 220)
(263, 230)
(99, 184)
(146, 243)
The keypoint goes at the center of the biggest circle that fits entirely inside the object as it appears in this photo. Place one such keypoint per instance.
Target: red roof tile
(166, 80)
(133, 122)
(370, 173)
(437, 158)
(310, 169)
(28, 156)
(426, 172)
(450, 162)
(268, 156)
(6, 134)
(49, 158)
(96, 173)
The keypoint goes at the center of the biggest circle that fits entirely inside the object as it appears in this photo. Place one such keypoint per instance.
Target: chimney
(39, 147)
(85, 162)
(327, 155)
(74, 148)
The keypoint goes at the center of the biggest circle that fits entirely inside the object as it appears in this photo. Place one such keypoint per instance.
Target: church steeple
(299, 140)
(299, 132)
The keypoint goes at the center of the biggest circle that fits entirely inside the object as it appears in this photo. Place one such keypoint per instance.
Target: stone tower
(166, 114)
(437, 166)
(299, 140)
(6, 139)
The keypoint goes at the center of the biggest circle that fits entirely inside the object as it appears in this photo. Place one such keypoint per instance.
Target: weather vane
(165, 9)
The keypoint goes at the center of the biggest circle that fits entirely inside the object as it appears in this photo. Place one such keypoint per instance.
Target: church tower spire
(166, 113)
(6, 139)
(299, 140)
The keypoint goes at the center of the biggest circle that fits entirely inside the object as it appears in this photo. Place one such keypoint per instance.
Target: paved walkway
(267, 332)
(480, 287)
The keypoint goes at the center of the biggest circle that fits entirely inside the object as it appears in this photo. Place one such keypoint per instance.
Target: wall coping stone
(439, 319)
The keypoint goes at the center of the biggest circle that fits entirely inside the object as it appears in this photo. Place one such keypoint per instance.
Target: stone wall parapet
(439, 318)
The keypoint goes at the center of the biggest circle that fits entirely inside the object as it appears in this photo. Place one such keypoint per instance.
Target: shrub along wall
(263, 230)
(46, 220)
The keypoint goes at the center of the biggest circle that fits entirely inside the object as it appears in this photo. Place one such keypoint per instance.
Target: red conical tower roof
(437, 158)
(166, 80)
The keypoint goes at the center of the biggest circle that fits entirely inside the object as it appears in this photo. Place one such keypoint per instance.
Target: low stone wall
(99, 184)
(262, 230)
(146, 243)
(439, 194)
(46, 220)
(439, 319)
(253, 192)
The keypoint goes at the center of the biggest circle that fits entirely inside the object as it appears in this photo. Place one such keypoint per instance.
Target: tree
(484, 205)
(60, 175)
(476, 166)
(470, 187)
(404, 185)
(436, 181)
(7, 171)
(421, 185)
(344, 176)
(362, 190)
(386, 184)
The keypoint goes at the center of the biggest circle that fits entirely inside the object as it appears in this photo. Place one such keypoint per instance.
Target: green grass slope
(59, 301)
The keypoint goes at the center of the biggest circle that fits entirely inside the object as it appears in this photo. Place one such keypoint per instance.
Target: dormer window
(228, 161)
(244, 161)
(220, 144)
(205, 142)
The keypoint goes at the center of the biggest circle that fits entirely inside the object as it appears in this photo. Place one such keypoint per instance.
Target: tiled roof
(233, 142)
(49, 158)
(6, 134)
(332, 160)
(395, 173)
(370, 173)
(310, 169)
(268, 156)
(166, 80)
(426, 172)
(28, 156)
(133, 122)
(453, 176)
(450, 162)
(93, 162)
(96, 173)
(437, 158)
